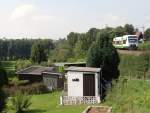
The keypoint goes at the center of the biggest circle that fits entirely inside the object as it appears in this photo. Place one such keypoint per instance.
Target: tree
(147, 34)
(72, 38)
(37, 53)
(79, 51)
(3, 81)
(103, 54)
(119, 31)
(129, 29)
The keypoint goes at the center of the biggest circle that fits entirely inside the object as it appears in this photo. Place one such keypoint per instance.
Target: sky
(56, 18)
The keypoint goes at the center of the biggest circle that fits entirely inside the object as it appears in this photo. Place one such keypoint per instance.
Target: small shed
(33, 73)
(83, 86)
(53, 80)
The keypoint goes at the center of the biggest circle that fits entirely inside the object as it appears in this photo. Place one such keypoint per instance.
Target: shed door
(89, 85)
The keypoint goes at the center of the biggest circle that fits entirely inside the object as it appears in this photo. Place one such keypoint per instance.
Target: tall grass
(131, 64)
(144, 46)
(131, 96)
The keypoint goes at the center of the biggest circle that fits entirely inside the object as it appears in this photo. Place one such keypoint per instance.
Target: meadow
(49, 103)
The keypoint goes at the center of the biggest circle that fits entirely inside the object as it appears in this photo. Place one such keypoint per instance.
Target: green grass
(130, 97)
(144, 46)
(49, 103)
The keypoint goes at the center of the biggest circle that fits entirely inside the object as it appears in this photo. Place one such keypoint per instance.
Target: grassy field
(144, 46)
(49, 103)
(130, 97)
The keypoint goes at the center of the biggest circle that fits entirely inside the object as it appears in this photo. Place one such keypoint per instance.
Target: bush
(20, 64)
(36, 88)
(2, 100)
(3, 77)
(21, 102)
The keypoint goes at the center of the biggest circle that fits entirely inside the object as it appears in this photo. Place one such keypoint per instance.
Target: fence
(71, 100)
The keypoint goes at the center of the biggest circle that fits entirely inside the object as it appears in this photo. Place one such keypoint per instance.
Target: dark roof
(53, 73)
(84, 69)
(68, 63)
(35, 70)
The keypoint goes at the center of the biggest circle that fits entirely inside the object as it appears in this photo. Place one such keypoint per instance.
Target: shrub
(21, 102)
(20, 64)
(36, 88)
(2, 100)
(3, 77)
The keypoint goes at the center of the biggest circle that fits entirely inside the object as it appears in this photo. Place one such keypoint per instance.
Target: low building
(47, 75)
(53, 80)
(33, 73)
(83, 86)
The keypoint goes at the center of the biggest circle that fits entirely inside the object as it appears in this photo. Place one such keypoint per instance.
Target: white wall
(75, 88)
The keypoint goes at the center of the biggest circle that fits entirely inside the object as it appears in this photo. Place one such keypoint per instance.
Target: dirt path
(130, 52)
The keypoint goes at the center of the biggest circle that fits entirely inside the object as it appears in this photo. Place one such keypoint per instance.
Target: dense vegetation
(94, 46)
(72, 48)
(131, 96)
(20, 48)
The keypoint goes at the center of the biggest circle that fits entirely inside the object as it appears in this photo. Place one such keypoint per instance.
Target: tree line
(72, 48)
(13, 49)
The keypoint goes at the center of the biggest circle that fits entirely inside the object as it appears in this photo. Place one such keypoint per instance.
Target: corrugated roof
(83, 69)
(35, 70)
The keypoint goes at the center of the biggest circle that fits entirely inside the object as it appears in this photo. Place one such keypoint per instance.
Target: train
(129, 42)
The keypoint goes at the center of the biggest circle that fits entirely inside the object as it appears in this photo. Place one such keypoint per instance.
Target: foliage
(2, 100)
(12, 49)
(21, 64)
(147, 34)
(3, 77)
(129, 96)
(21, 102)
(103, 54)
(35, 88)
(119, 31)
(61, 53)
(129, 29)
(37, 53)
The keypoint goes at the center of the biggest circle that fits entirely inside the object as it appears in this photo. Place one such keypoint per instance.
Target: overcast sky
(56, 18)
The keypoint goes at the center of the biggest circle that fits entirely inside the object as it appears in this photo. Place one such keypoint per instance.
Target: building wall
(31, 78)
(75, 88)
(50, 82)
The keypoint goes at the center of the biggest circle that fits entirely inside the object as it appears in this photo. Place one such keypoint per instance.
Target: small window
(75, 80)
(124, 41)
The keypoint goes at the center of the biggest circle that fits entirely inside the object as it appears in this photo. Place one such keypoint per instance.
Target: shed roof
(35, 70)
(69, 63)
(83, 69)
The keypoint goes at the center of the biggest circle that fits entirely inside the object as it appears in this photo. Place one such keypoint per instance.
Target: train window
(124, 41)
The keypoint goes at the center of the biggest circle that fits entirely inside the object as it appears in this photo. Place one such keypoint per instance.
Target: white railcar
(126, 42)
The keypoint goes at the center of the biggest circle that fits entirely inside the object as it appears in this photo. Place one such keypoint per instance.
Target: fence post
(61, 100)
